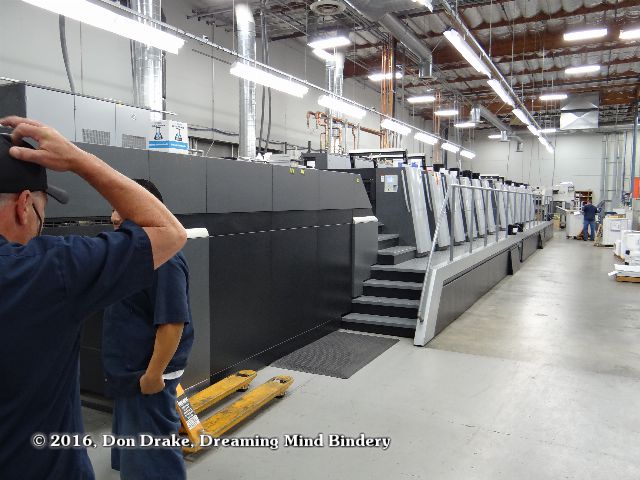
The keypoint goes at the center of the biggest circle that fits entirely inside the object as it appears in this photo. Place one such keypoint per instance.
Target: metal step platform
(395, 255)
(402, 327)
(394, 272)
(384, 306)
(392, 289)
(386, 240)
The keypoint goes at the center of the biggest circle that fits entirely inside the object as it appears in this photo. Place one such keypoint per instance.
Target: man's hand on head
(55, 152)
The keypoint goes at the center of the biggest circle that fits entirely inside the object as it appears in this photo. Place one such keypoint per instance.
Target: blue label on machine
(153, 144)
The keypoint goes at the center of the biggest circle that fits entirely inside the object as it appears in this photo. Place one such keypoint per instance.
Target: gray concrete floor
(538, 380)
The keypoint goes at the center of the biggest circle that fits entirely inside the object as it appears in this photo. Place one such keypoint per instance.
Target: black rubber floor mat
(339, 354)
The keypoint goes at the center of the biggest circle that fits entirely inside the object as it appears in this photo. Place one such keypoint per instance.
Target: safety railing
(522, 210)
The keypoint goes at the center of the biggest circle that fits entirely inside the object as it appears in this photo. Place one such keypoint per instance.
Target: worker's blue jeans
(157, 416)
(585, 230)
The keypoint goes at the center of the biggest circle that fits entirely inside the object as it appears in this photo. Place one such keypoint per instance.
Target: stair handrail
(445, 204)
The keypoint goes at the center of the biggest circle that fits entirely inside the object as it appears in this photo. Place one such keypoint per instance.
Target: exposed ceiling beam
(606, 99)
(537, 107)
(602, 77)
(540, 17)
(622, 91)
(526, 47)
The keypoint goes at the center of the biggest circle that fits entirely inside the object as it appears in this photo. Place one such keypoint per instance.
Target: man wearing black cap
(49, 285)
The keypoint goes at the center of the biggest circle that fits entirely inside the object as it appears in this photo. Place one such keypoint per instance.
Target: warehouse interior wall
(200, 88)
(579, 158)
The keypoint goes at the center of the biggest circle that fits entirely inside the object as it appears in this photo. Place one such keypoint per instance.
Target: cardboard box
(168, 136)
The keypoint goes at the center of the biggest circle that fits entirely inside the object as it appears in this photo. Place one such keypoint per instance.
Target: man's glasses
(39, 220)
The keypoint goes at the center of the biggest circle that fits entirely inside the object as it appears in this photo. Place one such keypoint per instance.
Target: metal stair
(391, 296)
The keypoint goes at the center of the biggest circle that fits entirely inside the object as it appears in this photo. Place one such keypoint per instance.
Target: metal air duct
(505, 131)
(334, 74)
(405, 36)
(246, 37)
(380, 12)
(147, 63)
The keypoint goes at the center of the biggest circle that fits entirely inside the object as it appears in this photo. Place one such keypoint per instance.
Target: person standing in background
(589, 211)
(146, 342)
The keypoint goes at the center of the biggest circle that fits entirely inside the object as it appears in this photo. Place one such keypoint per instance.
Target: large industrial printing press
(376, 240)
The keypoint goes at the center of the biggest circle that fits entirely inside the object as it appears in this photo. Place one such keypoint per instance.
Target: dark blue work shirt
(48, 287)
(590, 212)
(129, 328)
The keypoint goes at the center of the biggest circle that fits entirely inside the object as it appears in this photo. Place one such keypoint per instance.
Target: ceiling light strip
(389, 124)
(349, 109)
(426, 138)
(585, 34)
(330, 42)
(450, 147)
(378, 77)
(105, 19)
(465, 50)
(257, 75)
(502, 93)
(549, 97)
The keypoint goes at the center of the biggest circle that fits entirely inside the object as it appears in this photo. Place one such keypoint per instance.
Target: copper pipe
(322, 115)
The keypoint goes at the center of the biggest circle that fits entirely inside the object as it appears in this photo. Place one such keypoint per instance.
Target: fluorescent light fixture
(630, 34)
(582, 69)
(395, 127)
(534, 130)
(422, 99)
(467, 154)
(267, 79)
(585, 34)
(502, 93)
(341, 106)
(465, 125)
(469, 55)
(548, 130)
(546, 144)
(521, 115)
(450, 147)
(426, 138)
(324, 55)
(100, 17)
(425, 3)
(495, 136)
(378, 77)
(330, 42)
(548, 97)
(450, 112)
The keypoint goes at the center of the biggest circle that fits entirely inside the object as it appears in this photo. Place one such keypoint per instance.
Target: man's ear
(22, 207)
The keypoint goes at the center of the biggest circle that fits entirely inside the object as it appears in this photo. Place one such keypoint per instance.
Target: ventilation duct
(147, 63)
(334, 75)
(380, 12)
(246, 37)
(476, 114)
(580, 112)
(490, 117)
(505, 132)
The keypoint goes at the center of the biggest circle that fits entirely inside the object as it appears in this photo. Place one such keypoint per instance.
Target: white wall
(199, 88)
(578, 158)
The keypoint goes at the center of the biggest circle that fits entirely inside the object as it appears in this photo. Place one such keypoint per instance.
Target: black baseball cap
(17, 175)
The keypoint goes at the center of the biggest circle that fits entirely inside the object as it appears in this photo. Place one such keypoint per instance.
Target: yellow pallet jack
(224, 420)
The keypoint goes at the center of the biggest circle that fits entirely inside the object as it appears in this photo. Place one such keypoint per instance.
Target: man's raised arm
(133, 202)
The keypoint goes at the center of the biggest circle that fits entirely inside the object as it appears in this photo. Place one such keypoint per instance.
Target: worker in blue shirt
(146, 341)
(589, 211)
(50, 285)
